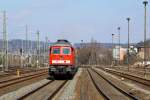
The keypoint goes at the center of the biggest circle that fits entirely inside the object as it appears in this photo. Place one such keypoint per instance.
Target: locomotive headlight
(61, 61)
(68, 61)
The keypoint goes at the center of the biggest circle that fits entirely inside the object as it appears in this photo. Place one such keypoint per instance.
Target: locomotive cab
(62, 59)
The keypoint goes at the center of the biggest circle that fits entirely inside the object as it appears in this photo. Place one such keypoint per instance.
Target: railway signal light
(21, 51)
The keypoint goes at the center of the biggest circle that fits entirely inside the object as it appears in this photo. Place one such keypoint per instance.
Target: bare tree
(93, 53)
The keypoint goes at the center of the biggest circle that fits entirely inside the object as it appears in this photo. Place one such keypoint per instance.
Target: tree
(93, 53)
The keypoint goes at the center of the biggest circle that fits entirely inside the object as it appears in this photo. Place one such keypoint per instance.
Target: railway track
(16, 83)
(137, 79)
(85, 89)
(9, 82)
(108, 89)
(22, 71)
(46, 91)
(5, 75)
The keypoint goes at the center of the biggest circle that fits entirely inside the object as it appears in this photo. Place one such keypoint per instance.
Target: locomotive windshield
(66, 50)
(56, 51)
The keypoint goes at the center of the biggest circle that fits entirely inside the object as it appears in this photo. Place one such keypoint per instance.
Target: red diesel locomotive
(62, 58)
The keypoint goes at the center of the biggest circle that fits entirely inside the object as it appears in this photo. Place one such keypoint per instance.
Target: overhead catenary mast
(38, 49)
(26, 39)
(45, 49)
(5, 43)
(26, 45)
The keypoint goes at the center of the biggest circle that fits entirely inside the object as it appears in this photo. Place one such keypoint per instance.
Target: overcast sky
(74, 20)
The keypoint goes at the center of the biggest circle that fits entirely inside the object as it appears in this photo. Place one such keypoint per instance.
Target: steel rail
(21, 80)
(118, 88)
(98, 89)
(130, 77)
(4, 81)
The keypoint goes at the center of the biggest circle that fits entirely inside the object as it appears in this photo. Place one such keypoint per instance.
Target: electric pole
(5, 43)
(22, 53)
(38, 49)
(26, 39)
(45, 50)
(44, 47)
(26, 49)
(112, 49)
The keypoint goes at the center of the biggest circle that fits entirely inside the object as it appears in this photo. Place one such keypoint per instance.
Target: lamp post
(145, 17)
(119, 44)
(128, 19)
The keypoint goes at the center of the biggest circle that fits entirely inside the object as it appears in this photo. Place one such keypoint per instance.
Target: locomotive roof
(62, 43)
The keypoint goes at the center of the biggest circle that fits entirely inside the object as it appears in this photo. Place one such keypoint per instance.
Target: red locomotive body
(62, 58)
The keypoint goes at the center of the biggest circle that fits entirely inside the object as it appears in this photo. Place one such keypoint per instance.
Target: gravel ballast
(68, 92)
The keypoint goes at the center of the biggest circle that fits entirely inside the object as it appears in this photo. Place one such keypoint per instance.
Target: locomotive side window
(66, 51)
(56, 51)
